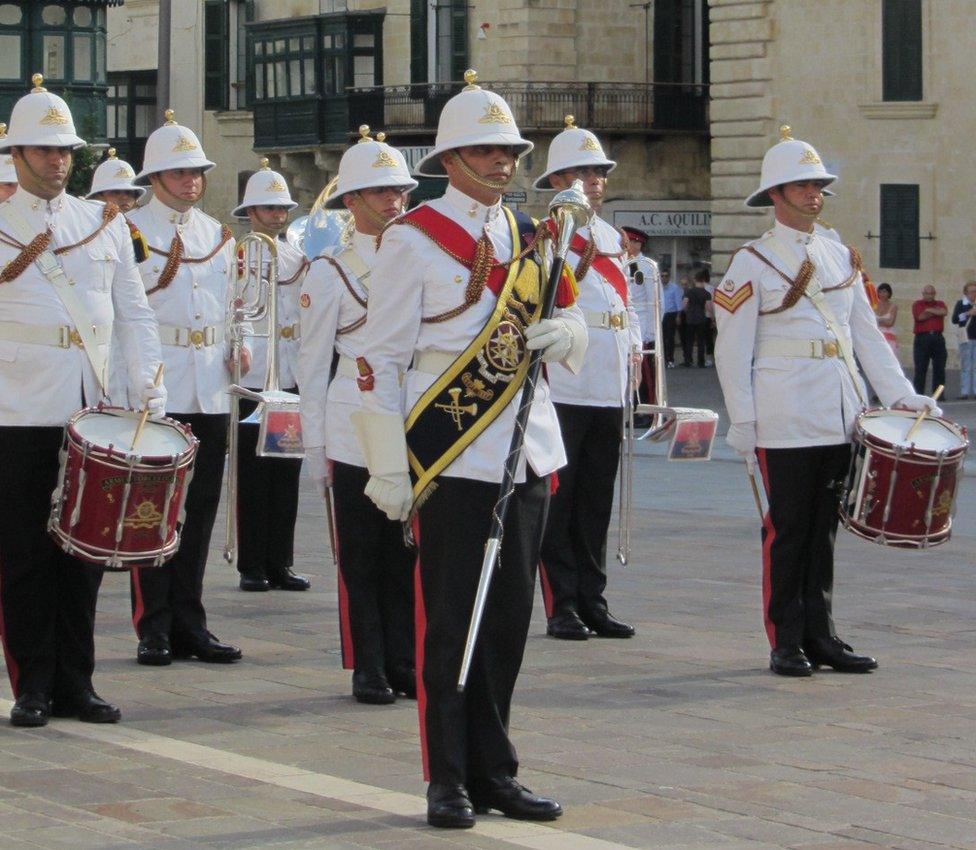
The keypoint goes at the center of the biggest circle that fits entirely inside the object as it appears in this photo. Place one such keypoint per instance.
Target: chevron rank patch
(730, 297)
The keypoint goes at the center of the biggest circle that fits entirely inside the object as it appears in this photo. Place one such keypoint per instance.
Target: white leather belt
(197, 337)
(817, 349)
(293, 331)
(433, 362)
(606, 320)
(58, 336)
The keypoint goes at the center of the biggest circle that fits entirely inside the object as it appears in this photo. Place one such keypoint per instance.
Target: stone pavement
(678, 738)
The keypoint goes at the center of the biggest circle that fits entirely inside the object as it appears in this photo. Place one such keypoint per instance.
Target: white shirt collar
(167, 213)
(468, 208)
(791, 236)
(28, 201)
(363, 244)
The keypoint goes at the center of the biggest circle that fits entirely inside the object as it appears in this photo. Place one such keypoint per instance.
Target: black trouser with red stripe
(465, 736)
(267, 504)
(803, 490)
(647, 391)
(375, 578)
(574, 550)
(167, 601)
(47, 597)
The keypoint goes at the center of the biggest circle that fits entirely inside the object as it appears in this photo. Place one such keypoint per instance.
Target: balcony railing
(607, 107)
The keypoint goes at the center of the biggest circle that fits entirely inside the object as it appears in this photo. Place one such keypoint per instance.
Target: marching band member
(375, 566)
(68, 277)
(589, 405)
(792, 314)
(112, 182)
(8, 174)
(267, 487)
(187, 279)
(456, 284)
(643, 283)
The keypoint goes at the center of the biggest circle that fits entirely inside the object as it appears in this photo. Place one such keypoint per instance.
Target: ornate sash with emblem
(485, 377)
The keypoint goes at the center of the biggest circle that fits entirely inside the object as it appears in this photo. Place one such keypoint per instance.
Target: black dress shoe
(403, 679)
(87, 706)
(449, 807)
(833, 652)
(790, 661)
(253, 583)
(606, 626)
(371, 687)
(287, 580)
(210, 650)
(154, 651)
(30, 710)
(567, 626)
(512, 800)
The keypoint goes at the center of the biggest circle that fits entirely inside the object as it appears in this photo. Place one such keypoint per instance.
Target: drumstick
(923, 414)
(145, 411)
(755, 494)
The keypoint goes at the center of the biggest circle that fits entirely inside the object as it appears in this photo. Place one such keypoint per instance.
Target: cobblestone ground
(678, 738)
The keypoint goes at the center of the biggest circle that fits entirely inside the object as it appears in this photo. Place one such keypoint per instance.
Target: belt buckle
(616, 321)
(830, 348)
(196, 338)
(74, 338)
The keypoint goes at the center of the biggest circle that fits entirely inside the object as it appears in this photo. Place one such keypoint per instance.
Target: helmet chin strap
(40, 179)
(812, 217)
(471, 174)
(376, 218)
(161, 185)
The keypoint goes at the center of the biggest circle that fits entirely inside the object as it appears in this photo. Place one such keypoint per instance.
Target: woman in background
(887, 314)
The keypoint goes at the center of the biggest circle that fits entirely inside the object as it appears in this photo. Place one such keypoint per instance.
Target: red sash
(603, 263)
(457, 243)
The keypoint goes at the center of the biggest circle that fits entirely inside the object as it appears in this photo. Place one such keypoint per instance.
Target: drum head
(116, 429)
(889, 427)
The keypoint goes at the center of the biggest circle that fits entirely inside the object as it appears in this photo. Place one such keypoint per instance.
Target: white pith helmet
(265, 188)
(368, 164)
(8, 174)
(574, 147)
(788, 161)
(41, 118)
(171, 146)
(114, 175)
(472, 117)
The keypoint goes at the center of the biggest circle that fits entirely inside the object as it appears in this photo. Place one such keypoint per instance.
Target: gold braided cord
(586, 259)
(294, 277)
(40, 243)
(342, 276)
(174, 257)
(352, 326)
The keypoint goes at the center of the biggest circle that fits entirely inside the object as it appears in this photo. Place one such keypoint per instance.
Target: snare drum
(900, 493)
(115, 507)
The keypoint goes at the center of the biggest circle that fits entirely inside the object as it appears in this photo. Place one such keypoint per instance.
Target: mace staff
(571, 210)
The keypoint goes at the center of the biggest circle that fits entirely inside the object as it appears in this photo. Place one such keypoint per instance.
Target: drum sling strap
(814, 291)
(51, 269)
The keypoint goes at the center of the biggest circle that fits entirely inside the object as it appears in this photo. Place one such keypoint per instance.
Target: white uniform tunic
(431, 283)
(602, 382)
(327, 306)
(42, 384)
(642, 294)
(196, 377)
(291, 262)
(797, 401)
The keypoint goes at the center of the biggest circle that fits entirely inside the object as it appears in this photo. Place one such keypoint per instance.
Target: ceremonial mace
(571, 210)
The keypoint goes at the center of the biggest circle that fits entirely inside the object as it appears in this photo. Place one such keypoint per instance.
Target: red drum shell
(892, 486)
(119, 509)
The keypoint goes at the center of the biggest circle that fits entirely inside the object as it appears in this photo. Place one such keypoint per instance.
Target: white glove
(742, 438)
(553, 336)
(918, 403)
(317, 467)
(154, 398)
(391, 493)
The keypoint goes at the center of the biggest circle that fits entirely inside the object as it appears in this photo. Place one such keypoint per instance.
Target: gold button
(287, 332)
(155, 269)
(457, 278)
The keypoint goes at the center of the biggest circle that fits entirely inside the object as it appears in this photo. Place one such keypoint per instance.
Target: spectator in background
(696, 303)
(929, 315)
(705, 276)
(671, 305)
(887, 313)
(962, 319)
(683, 331)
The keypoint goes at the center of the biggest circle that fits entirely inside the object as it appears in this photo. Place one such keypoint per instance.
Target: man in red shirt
(929, 316)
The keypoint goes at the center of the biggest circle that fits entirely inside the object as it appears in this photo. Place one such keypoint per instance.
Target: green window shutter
(216, 49)
(667, 41)
(899, 226)
(459, 39)
(418, 41)
(901, 50)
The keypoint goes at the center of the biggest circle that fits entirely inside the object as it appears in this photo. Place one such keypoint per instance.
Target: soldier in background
(112, 182)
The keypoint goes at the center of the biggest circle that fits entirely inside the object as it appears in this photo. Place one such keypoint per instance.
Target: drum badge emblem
(506, 347)
(145, 515)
